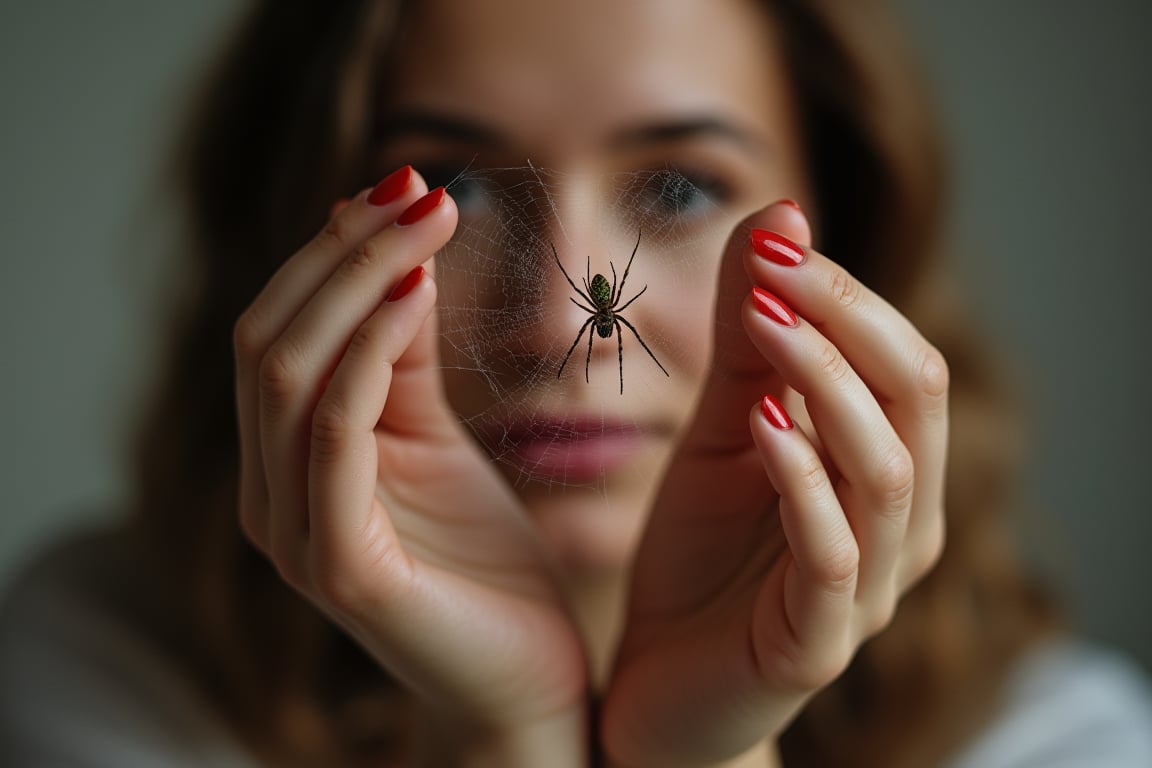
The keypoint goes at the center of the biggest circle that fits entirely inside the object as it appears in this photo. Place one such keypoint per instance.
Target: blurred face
(590, 131)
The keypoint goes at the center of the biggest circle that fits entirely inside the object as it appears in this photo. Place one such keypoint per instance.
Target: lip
(579, 449)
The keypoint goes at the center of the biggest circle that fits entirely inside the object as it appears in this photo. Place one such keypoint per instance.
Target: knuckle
(932, 374)
(896, 480)
(365, 339)
(845, 289)
(330, 428)
(335, 235)
(806, 670)
(833, 366)
(839, 567)
(362, 258)
(278, 377)
(353, 581)
(248, 336)
(811, 474)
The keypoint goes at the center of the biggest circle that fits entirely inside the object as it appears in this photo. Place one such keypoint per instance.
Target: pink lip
(575, 450)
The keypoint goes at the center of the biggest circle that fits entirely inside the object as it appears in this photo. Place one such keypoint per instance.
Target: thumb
(739, 375)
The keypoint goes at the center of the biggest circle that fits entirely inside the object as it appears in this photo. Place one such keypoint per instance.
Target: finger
(816, 590)
(738, 373)
(873, 464)
(278, 303)
(344, 514)
(906, 373)
(296, 367)
(302, 275)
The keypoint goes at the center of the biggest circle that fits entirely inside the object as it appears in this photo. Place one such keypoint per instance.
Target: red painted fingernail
(776, 248)
(421, 207)
(790, 202)
(391, 186)
(772, 307)
(775, 413)
(405, 286)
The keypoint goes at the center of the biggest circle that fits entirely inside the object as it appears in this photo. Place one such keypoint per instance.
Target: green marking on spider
(602, 306)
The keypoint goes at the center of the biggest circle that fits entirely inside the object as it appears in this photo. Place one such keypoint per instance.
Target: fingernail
(776, 248)
(770, 306)
(790, 202)
(405, 286)
(338, 205)
(421, 208)
(391, 186)
(775, 413)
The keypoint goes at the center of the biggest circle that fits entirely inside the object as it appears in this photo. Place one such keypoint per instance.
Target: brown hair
(284, 127)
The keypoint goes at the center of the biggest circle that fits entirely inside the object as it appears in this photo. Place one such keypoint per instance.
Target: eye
(676, 193)
(472, 192)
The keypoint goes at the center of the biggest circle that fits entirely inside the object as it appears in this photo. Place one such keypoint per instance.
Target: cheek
(686, 317)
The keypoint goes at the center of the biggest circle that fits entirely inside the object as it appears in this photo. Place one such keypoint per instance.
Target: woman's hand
(775, 550)
(365, 492)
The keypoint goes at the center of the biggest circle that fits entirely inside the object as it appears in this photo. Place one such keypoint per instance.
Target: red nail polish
(405, 286)
(772, 307)
(775, 413)
(776, 248)
(421, 207)
(790, 203)
(391, 186)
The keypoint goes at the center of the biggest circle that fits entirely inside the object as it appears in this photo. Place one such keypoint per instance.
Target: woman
(474, 510)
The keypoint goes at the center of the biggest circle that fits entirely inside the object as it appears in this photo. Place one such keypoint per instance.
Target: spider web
(505, 315)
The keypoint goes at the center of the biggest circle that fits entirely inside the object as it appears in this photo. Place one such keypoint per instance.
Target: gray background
(1047, 105)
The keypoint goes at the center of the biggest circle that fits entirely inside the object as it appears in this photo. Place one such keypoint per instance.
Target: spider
(605, 315)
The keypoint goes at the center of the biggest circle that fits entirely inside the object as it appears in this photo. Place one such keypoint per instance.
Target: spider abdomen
(604, 325)
(601, 292)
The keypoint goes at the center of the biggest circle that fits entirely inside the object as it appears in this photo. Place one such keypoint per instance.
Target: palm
(714, 557)
(468, 585)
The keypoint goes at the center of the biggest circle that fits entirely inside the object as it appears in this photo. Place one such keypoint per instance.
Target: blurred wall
(1048, 108)
(1048, 111)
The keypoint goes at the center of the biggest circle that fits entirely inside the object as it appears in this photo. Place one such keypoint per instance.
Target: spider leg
(589, 310)
(627, 268)
(583, 295)
(588, 360)
(621, 309)
(637, 335)
(614, 296)
(579, 336)
(620, 351)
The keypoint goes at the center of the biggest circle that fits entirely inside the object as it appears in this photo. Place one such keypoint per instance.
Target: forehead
(556, 65)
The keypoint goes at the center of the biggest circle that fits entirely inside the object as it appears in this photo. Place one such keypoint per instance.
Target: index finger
(277, 305)
(739, 374)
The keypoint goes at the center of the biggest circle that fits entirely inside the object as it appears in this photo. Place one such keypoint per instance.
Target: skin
(756, 559)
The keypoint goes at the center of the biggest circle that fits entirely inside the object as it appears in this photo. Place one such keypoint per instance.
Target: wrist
(555, 741)
(764, 755)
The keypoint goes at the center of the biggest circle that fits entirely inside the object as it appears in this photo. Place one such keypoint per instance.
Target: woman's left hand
(773, 552)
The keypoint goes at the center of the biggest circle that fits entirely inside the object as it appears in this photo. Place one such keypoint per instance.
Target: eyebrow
(686, 128)
(448, 127)
(437, 125)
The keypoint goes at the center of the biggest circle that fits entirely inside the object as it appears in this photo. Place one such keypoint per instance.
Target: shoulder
(80, 686)
(1069, 704)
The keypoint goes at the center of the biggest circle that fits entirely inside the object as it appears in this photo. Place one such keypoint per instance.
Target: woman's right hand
(365, 492)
